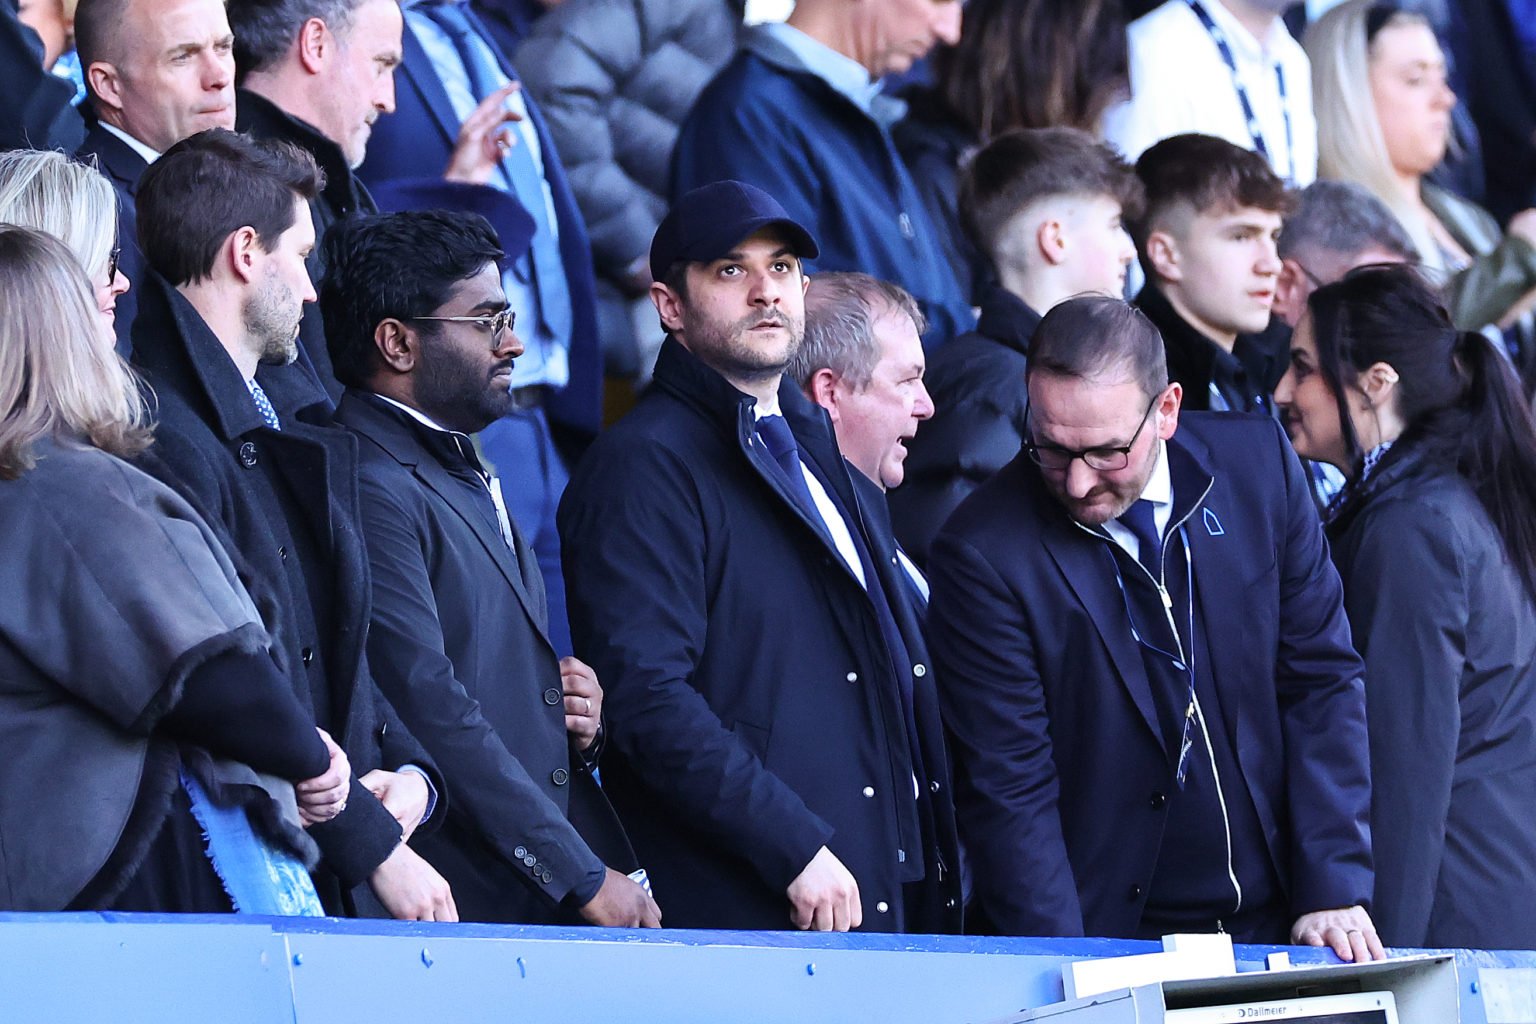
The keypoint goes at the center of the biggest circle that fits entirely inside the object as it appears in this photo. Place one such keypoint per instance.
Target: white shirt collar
(1159, 489)
(149, 155)
(416, 415)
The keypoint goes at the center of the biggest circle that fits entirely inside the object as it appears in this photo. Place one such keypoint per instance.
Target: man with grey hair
(862, 361)
(169, 76)
(316, 74)
(1336, 227)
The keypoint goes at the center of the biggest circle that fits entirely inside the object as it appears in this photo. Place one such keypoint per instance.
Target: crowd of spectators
(1076, 475)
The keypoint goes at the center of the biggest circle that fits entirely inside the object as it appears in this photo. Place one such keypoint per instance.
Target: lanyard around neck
(1255, 132)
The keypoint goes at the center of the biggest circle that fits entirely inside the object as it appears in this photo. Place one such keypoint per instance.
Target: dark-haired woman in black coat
(1435, 538)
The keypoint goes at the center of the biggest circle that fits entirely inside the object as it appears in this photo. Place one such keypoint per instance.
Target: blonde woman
(1384, 118)
(74, 203)
(137, 687)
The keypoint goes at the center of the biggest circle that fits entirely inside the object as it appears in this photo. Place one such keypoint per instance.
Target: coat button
(551, 696)
(559, 776)
(529, 860)
(949, 904)
(919, 670)
(934, 786)
(1134, 894)
(1158, 800)
(520, 852)
(901, 856)
(248, 455)
(882, 906)
(546, 876)
(869, 791)
(282, 553)
(307, 655)
(853, 677)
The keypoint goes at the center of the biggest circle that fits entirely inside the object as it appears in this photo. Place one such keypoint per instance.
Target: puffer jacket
(615, 78)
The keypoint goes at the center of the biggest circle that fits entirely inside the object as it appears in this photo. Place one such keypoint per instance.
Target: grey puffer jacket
(615, 78)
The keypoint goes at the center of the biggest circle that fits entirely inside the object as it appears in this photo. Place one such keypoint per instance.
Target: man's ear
(105, 84)
(669, 306)
(398, 346)
(822, 389)
(1291, 292)
(1162, 253)
(244, 255)
(1051, 242)
(314, 44)
(1168, 410)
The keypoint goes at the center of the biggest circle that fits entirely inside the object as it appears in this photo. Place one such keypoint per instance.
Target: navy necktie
(1142, 523)
(781, 444)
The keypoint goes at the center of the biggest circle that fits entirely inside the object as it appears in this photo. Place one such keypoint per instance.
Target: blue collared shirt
(546, 358)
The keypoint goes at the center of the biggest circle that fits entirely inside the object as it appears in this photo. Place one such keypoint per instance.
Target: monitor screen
(1353, 1008)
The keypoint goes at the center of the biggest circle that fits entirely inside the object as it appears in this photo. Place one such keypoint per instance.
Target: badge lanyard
(1225, 49)
(1185, 665)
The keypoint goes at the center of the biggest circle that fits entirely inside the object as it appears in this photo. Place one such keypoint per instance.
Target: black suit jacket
(459, 644)
(1061, 768)
(122, 167)
(209, 445)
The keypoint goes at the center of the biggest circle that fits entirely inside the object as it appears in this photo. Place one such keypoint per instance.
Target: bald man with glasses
(1157, 719)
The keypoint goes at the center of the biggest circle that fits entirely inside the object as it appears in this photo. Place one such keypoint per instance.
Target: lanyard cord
(1183, 664)
(1254, 131)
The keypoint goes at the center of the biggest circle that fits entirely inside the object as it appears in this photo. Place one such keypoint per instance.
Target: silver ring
(588, 711)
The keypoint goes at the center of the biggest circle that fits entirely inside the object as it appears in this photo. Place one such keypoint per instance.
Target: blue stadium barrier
(170, 969)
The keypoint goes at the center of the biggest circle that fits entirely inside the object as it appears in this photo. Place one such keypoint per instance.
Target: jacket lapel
(439, 481)
(418, 71)
(386, 429)
(1085, 562)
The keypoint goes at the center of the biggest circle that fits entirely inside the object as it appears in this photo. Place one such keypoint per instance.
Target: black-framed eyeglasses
(112, 258)
(497, 323)
(1053, 457)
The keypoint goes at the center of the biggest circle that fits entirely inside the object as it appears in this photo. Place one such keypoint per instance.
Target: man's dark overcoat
(210, 445)
(755, 709)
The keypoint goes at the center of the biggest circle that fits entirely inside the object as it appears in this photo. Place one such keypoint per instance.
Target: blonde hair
(1350, 142)
(70, 201)
(60, 377)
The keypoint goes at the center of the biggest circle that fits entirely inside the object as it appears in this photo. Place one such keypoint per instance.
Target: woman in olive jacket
(1435, 538)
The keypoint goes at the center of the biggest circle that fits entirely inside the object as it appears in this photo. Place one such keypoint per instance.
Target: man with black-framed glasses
(1157, 719)
(420, 331)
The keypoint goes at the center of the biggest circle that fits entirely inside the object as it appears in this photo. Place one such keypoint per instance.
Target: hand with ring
(583, 701)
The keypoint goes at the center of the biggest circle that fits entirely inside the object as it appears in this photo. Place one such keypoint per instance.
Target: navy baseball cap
(709, 221)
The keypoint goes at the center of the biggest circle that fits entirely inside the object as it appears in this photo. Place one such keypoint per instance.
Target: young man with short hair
(1207, 244)
(1045, 206)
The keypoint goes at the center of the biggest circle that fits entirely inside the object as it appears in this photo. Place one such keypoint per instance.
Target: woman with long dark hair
(138, 700)
(1435, 537)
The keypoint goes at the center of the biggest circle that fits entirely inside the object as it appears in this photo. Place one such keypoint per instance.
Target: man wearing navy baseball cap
(774, 740)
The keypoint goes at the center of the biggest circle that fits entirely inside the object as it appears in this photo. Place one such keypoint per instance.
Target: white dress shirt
(1180, 83)
(836, 526)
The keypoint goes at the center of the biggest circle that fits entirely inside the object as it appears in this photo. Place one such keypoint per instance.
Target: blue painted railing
(170, 969)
